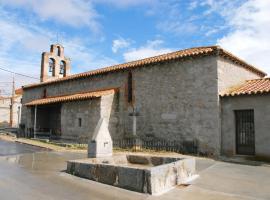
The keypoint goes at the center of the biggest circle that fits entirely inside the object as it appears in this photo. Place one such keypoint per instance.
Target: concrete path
(35, 174)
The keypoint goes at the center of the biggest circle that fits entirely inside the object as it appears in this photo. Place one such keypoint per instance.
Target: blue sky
(99, 33)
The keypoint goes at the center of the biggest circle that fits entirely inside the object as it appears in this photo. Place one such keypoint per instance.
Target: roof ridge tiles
(190, 52)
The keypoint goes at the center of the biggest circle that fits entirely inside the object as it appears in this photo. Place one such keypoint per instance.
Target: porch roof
(255, 86)
(71, 97)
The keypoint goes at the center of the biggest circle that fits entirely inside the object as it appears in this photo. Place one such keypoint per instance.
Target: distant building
(198, 94)
(8, 117)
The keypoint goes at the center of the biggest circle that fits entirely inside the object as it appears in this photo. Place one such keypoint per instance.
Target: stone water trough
(146, 174)
(140, 173)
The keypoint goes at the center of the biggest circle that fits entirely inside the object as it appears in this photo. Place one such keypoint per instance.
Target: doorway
(245, 132)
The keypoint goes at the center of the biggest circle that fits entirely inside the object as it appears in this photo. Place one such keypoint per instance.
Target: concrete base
(145, 174)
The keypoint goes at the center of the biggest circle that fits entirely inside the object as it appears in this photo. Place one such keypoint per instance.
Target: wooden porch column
(35, 121)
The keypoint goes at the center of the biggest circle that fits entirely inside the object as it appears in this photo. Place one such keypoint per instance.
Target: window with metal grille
(130, 88)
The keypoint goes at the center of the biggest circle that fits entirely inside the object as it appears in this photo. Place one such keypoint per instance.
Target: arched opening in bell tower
(62, 71)
(51, 71)
(58, 51)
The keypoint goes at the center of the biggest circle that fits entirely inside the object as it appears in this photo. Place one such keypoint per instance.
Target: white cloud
(22, 44)
(173, 19)
(17, 44)
(152, 48)
(177, 27)
(127, 3)
(193, 5)
(85, 58)
(71, 12)
(249, 35)
(119, 44)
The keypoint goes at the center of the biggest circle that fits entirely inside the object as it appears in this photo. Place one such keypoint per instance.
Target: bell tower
(54, 64)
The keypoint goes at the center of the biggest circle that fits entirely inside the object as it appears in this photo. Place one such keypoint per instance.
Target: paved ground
(13, 148)
(35, 174)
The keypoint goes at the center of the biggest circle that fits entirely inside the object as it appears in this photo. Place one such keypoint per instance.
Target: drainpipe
(35, 121)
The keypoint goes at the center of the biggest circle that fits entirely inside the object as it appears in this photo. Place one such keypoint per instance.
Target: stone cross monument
(101, 143)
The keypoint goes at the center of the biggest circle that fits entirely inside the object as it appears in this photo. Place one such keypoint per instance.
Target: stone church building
(204, 94)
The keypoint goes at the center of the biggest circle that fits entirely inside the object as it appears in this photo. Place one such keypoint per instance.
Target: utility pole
(12, 103)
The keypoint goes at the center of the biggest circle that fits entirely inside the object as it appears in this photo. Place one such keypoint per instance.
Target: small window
(44, 93)
(80, 122)
(130, 88)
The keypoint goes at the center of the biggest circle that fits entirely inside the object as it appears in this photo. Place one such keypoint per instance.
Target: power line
(18, 73)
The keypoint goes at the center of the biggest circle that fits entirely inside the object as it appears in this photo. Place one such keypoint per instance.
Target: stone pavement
(39, 175)
(227, 181)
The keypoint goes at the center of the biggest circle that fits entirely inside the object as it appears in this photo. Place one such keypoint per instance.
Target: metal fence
(135, 144)
(187, 147)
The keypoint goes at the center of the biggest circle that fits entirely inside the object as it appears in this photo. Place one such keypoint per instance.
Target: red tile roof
(72, 97)
(255, 86)
(192, 52)
(19, 91)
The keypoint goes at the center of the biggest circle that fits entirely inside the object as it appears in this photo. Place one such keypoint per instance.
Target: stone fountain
(141, 173)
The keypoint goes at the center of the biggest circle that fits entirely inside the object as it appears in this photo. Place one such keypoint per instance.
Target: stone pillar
(101, 143)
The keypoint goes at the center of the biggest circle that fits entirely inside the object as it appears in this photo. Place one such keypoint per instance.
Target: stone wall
(179, 102)
(176, 100)
(114, 80)
(231, 75)
(261, 106)
(89, 111)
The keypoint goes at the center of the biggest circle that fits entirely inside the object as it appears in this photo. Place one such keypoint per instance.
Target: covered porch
(46, 120)
(68, 117)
